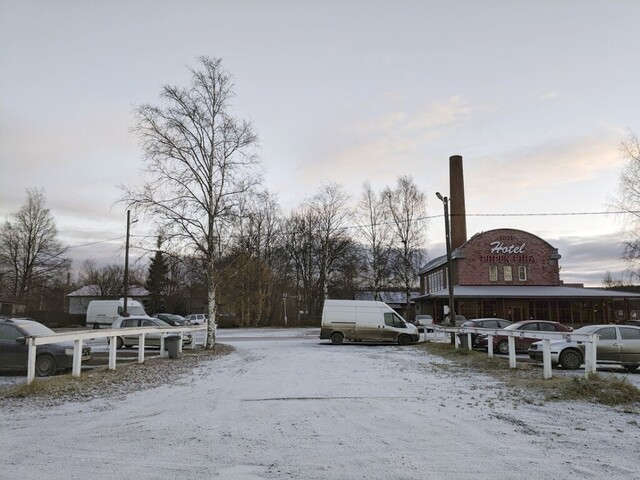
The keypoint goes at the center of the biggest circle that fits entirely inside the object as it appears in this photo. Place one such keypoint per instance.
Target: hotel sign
(500, 252)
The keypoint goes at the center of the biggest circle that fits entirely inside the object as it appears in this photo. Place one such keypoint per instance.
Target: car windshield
(588, 329)
(162, 323)
(35, 328)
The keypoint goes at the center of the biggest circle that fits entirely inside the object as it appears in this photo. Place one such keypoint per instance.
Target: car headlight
(68, 351)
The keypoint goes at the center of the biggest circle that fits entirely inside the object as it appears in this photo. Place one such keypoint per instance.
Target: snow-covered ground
(286, 405)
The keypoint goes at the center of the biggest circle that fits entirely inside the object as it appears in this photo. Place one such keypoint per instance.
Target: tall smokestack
(456, 202)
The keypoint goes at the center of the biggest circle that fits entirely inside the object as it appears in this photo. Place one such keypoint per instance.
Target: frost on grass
(101, 382)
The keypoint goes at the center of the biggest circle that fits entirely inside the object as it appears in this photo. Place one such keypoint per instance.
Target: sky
(536, 97)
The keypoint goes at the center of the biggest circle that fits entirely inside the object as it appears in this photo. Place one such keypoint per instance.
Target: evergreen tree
(157, 281)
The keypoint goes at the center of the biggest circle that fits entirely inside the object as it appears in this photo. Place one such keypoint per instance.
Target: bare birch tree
(199, 162)
(372, 220)
(30, 253)
(628, 200)
(330, 208)
(407, 208)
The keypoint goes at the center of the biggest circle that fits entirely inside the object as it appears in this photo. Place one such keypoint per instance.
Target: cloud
(376, 142)
(560, 162)
(588, 259)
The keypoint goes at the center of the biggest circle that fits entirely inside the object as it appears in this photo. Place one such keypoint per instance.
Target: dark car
(501, 344)
(489, 323)
(50, 359)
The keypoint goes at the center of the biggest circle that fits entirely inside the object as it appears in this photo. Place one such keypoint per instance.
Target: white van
(102, 313)
(364, 320)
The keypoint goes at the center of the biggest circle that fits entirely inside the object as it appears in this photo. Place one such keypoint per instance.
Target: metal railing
(590, 342)
(112, 333)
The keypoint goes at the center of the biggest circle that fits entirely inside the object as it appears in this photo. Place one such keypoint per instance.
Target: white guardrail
(590, 341)
(112, 333)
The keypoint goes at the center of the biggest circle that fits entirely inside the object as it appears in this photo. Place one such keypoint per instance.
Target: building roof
(387, 297)
(530, 291)
(94, 291)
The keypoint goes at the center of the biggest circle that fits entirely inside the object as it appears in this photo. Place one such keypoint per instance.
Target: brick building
(512, 274)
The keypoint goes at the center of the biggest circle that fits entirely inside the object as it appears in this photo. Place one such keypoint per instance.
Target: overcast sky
(535, 95)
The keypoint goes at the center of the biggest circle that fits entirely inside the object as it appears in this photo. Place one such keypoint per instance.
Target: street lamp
(126, 266)
(284, 300)
(452, 313)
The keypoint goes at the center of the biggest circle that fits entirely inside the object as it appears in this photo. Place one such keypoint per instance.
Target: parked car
(460, 319)
(424, 323)
(171, 319)
(489, 323)
(500, 342)
(50, 359)
(151, 339)
(197, 318)
(617, 344)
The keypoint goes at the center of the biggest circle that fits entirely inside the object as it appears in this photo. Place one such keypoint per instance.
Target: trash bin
(172, 345)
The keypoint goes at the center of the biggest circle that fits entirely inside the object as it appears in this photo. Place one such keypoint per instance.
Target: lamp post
(452, 313)
(126, 266)
(284, 301)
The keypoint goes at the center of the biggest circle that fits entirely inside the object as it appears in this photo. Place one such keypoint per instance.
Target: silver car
(151, 339)
(617, 344)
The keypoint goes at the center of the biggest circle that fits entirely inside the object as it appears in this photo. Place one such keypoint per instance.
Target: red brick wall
(510, 247)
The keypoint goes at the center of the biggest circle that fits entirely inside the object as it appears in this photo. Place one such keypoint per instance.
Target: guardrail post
(141, 348)
(469, 341)
(31, 361)
(180, 345)
(591, 350)
(546, 357)
(163, 353)
(77, 358)
(512, 352)
(490, 345)
(112, 352)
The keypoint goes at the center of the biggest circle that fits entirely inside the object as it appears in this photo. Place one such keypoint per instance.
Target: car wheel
(45, 366)
(570, 359)
(631, 367)
(337, 338)
(404, 340)
(503, 347)
(119, 343)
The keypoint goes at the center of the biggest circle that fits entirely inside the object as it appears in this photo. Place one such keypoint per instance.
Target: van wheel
(404, 340)
(337, 338)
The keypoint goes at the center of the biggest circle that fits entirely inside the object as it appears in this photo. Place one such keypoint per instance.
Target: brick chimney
(456, 202)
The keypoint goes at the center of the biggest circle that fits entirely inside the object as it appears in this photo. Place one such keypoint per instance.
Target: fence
(78, 337)
(590, 341)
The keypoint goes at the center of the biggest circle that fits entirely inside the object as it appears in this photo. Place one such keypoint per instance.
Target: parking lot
(286, 405)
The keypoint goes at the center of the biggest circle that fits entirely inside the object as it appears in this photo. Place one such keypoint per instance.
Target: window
(493, 273)
(547, 327)
(608, 333)
(529, 326)
(8, 332)
(522, 273)
(393, 321)
(629, 333)
(508, 277)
